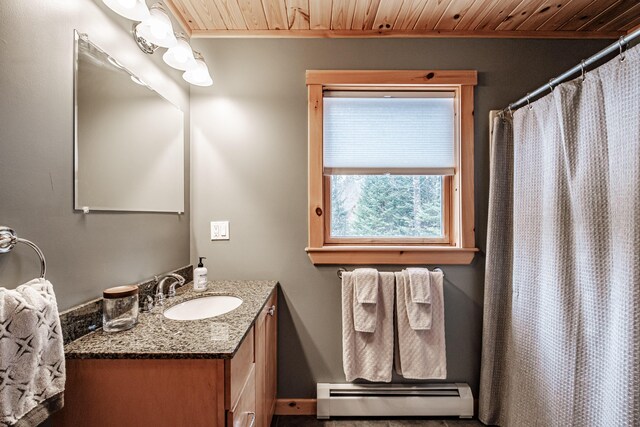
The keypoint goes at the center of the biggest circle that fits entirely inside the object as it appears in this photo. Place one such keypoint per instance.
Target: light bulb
(198, 74)
(180, 56)
(157, 28)
(127, 4)
(136, 10)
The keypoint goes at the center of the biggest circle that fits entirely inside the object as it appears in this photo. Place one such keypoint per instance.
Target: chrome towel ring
(9, 239)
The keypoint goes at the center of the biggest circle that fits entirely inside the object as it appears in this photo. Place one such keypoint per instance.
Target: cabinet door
(134, 392)
(244, 413)
(271, 351)
(238, 370)
(266, 362)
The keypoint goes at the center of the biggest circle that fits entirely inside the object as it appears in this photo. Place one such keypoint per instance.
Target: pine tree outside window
(391, 167)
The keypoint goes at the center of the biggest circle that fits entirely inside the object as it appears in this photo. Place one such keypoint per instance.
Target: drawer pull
(272, 310)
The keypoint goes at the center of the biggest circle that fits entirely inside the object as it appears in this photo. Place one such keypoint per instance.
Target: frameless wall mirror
(129, 140)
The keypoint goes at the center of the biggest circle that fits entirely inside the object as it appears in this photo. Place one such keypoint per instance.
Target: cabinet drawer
(244, 412)
(237, 370)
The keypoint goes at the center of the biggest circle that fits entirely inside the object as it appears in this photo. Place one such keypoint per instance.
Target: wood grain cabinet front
(266, 330)
(238, 392)
(243, 413)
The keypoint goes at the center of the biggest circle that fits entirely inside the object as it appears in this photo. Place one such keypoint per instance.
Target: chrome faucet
(179, 282)
(161, 280)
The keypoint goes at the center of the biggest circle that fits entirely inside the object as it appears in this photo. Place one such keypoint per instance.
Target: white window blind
(397, 133)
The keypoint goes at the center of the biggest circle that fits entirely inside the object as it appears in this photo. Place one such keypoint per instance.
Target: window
(388, 156)
(391, 167)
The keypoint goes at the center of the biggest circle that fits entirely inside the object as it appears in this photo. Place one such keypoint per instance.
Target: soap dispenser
(200, 277)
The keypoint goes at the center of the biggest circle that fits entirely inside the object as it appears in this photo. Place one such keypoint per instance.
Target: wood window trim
(462, 228)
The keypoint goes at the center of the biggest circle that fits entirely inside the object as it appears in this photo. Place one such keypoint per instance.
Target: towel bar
(342, 270)
(8, 240)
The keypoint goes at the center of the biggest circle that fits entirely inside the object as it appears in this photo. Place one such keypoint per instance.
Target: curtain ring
(529, 102)
(582, 63)
(510, 112)
(550, 84)
(621, 44)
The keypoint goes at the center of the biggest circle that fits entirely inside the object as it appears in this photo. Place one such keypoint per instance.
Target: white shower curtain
(561, 334)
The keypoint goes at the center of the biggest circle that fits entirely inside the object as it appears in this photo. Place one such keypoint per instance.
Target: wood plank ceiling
(407, 18)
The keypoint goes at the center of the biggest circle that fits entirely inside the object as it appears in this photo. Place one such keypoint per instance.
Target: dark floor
(310, 421)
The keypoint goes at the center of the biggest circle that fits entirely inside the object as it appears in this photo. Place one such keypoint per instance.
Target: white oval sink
(203, 308)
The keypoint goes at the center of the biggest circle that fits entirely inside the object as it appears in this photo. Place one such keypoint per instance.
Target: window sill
(355, 255)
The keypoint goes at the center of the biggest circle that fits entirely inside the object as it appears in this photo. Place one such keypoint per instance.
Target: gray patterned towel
(421, 354)
(32, 370)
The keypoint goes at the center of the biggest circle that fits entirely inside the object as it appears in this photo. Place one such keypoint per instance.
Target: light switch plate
(219, 230)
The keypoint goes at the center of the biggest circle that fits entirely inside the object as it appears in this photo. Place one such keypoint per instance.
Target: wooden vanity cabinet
(256, 401)
(266, 341)
(244, 412)
(238, 392)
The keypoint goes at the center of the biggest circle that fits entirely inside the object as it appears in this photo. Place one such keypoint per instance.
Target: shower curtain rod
(580, 68)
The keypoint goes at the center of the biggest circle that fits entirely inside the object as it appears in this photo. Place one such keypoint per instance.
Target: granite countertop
(156, 337)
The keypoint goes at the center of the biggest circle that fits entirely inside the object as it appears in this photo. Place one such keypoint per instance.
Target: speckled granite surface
(81, 320)
(85, 318)
(156, 337)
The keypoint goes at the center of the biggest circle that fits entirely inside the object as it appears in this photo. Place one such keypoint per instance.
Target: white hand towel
(368, 355)
(365, 299)
(421, 354)
(32, 366)
(420, 285)
(419, 314)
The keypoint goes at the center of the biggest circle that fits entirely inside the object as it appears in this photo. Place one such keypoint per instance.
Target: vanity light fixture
(199, 74)
(152, 30)
(135, 10)
(157, 28)
(142, 43)
(180, 56)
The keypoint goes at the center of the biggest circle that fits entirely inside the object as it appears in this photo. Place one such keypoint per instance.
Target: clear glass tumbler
(119, 308)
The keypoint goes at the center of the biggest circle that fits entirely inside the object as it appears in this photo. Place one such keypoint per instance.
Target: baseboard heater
(394, 400)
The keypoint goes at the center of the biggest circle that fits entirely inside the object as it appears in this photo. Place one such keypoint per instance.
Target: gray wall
(85, 253)
(249, 165)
